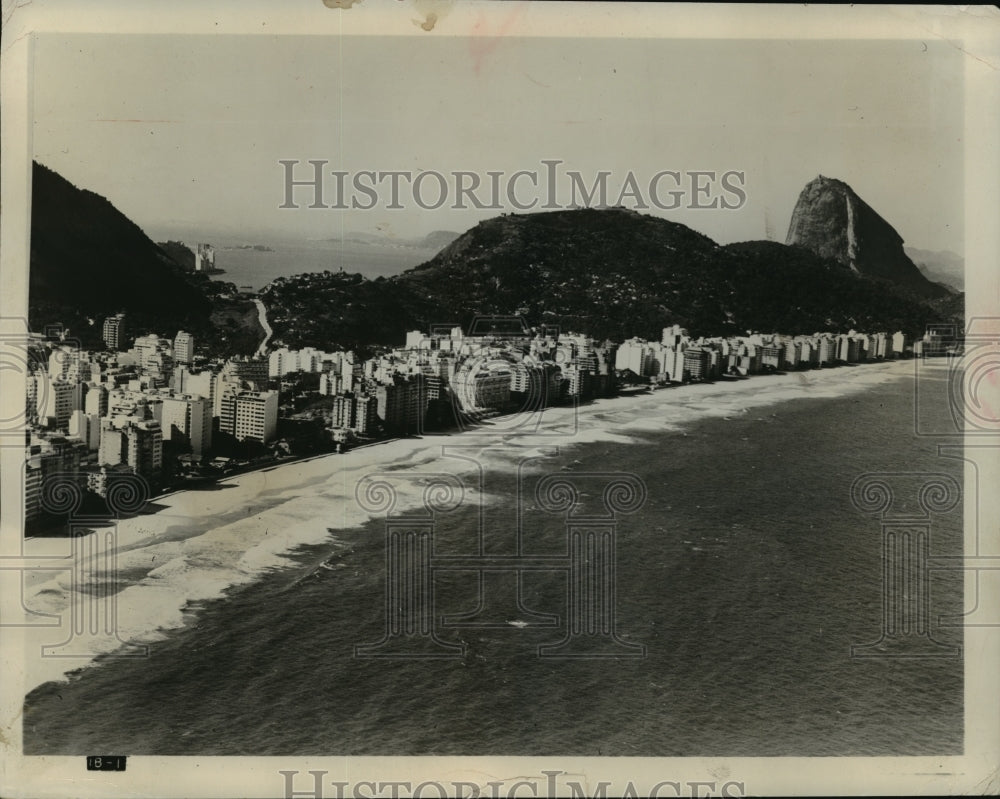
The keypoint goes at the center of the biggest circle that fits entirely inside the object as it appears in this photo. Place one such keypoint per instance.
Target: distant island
(435, 240)
(257, 247)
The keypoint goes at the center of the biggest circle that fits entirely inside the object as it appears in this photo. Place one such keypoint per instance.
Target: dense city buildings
(153, 407)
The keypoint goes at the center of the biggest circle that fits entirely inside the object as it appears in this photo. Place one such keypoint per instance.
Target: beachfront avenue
(162, 411)
(311, 184)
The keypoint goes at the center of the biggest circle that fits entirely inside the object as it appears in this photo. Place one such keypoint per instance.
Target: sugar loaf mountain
(610, 273)
(616, 273)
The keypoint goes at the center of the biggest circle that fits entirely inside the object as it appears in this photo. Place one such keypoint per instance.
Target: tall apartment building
(95, 399)
(402, 404)
(183, 347)
(697, 363)
(32, 488)
(365, 414)
(342, 413)
(204, 257)
(114, 332)
(187, 421)
(56, 400)
(112, 444)
(203, 383)
(332, 383)
(250, 415)
(483, 389)
(772, 356)
(253, 371)
(635, 355)
(69, 363)
(284, 361)
(44, 458)
(144, 448)
(138, 444)
(827, 350)
(86, 427)
(793, 353)
(848, 349)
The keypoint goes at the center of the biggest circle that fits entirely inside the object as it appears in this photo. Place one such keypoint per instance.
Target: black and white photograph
(492, 399)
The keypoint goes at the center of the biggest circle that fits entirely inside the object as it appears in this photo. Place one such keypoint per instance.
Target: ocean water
(747, 575)
(256, 268)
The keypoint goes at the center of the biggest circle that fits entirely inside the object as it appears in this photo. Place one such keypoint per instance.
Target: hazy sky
(183, 132)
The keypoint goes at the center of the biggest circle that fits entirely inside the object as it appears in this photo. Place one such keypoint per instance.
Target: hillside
(831, 220)
(791, 289)
(611, 273)
(89, 260)
(940, 266)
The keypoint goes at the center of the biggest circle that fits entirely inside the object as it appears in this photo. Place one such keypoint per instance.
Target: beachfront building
(249, 415)
(137, 444)
(899, 344)
(772, 356)
(637, 355)
(187, 422)
(697, 364)
(484, 388)
(401, 404)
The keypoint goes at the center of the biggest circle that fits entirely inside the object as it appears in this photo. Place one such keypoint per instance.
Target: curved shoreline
(210, 540)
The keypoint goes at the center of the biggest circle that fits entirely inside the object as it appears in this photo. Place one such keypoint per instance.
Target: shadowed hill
(89, 260)
(610, 273)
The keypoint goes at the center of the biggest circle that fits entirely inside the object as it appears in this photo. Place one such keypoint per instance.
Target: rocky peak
(831, 220)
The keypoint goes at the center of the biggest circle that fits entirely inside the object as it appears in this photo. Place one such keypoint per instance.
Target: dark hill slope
(610, 273)
(790, 289)
(89, 260)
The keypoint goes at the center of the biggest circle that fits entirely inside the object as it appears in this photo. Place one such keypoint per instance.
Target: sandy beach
(198, 543)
